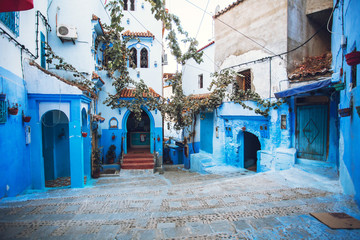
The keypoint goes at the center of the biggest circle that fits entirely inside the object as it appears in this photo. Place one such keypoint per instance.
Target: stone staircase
(138, 159)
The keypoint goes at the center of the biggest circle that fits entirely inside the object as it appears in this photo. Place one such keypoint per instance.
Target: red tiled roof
(130, 93)
(200, 96)
(71, 83)
(312, 67)
(128, 33)
(206, 46)
(228, 8)
(96, 76)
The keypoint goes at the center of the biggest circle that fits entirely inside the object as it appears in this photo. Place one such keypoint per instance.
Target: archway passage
(251, 146)
(138, 143)
(56, 148)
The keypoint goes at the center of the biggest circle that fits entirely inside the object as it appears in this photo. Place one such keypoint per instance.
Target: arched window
(133, 58)
(132, 5)
(125, 5)
(144, 58)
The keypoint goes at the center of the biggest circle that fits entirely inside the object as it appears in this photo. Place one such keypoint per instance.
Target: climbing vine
(179, 108)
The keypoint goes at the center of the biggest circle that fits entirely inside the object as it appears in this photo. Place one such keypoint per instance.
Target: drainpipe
(270, 77)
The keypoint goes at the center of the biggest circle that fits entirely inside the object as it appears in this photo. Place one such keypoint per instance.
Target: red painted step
(138, 159)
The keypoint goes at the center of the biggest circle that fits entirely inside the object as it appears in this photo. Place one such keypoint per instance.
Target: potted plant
(84, 134)
(2, 96)
(97, 166)
(14, 109)
(111, 155)
(344, 112)
(25, 118)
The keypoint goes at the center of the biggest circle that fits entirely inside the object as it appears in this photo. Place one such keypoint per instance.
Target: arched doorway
(55, 148)
(251, 146)
(138, 133)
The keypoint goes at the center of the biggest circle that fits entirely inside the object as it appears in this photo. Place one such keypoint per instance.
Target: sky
(194, 21)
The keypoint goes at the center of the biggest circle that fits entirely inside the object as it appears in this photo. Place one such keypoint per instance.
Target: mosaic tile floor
(182, 205)
(60, 182)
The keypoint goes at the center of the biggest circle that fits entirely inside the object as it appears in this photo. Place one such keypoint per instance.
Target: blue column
(76, 145)
(36, 156)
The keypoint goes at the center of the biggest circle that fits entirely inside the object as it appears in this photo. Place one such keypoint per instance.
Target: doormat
(337, 220)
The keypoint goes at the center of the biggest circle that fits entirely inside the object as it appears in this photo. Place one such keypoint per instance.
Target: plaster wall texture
(191, 71)
(77, 14)
(345, 21)
(14, 152)
(301, 27)
(264, 21)
(13, 58)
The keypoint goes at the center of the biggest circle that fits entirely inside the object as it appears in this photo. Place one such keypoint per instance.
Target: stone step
(138, 160)
(137, 155)
(137, 165)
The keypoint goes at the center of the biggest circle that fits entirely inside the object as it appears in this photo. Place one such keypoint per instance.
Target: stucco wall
(264, 21)
(301, 27)
(349, 126)
(191, 70)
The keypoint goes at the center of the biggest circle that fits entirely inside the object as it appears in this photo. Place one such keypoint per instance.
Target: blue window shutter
(42, 50)
(11, 20)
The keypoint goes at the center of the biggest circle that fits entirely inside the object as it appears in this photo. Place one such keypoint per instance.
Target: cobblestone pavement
(182, 205)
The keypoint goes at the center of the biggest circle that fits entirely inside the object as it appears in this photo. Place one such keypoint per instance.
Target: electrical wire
(201, 21)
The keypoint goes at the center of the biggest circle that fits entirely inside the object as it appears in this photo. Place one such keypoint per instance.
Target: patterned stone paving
(182, 205)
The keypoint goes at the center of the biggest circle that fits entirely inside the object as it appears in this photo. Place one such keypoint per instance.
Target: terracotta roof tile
(96, 18)
(200, 96)
(228, 8)
(312, 67)
(128, 33)
(96, 76)
(130, 93)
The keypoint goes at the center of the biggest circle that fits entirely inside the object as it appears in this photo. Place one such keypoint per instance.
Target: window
(243, 82)
(132, 5)
(133, 58)
(144, 58)
(11, 20)
(3, 112)
(201, 81)
(353, 75)
(283, 122)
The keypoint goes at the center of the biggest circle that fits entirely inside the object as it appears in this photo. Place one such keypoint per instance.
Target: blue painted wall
(346, 22)
(14, 153)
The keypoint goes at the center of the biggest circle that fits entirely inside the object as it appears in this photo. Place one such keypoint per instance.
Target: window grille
(132, 5)
(201, 81)
(243, 82)
(11, 20)
(3, 111)
(144, 58)
(125, 5)
(42, 50)
(133, 58)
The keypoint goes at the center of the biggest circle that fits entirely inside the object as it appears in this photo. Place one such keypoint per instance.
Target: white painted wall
(10, 57)
(78, 14)
(42, 83)
(191, 70)
(142, 20)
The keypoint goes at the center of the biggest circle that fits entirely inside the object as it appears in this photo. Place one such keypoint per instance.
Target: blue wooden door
(206, 132)
(312, 131)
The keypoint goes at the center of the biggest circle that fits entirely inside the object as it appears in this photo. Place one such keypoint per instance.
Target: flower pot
(26, 119)
(353, 58)
(345, 112)
(84, 134)
(113, 137)
(96, 174)
(13, 111)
